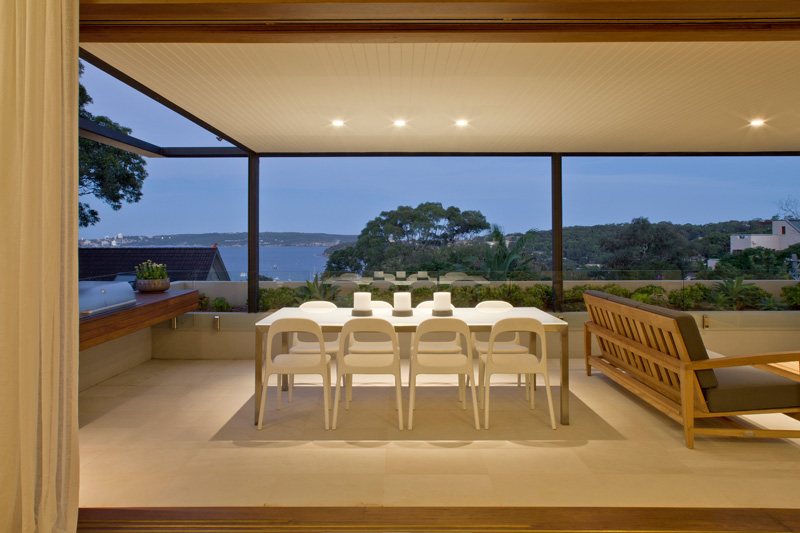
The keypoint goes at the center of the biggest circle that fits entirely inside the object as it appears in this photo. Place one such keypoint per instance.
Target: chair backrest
(443, 325)
(518, 325)
(382, 285)
(295, 325)
(379, 304)
(368, 325)
(493, 304)
(318, 304)
(428, 304)
(422, 284)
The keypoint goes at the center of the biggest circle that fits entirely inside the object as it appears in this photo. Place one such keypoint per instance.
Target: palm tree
(499, 259)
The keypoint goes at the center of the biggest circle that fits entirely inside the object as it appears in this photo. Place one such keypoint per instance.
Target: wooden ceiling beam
(143, 11)
(267, 21)
(439, 32)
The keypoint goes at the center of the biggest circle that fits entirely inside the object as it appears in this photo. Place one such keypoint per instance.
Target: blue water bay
(282, 263)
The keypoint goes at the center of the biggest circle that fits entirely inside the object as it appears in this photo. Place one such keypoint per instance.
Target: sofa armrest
(742, 360)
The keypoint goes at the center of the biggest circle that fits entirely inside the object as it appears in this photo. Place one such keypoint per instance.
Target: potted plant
(151, 277)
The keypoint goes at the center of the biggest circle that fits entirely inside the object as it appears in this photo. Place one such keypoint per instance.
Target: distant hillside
(584, 244)
(266, 238)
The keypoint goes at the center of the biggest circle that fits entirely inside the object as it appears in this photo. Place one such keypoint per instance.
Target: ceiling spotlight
(461, 123)
(399, 122)
(757, 122)
(338, 123)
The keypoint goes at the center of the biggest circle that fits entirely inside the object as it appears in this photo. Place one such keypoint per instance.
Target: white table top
(334, 319)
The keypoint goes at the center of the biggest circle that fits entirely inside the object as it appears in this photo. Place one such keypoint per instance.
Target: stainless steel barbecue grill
(97, 297)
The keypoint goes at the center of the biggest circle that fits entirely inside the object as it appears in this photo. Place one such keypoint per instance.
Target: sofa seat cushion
(748, 388)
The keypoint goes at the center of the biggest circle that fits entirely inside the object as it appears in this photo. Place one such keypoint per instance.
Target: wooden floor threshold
(435, 519)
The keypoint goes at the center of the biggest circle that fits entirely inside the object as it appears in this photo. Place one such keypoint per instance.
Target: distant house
(784, 234)
(183, 263)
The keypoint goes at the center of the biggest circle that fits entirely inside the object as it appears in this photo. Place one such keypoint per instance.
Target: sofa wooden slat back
(658, 354)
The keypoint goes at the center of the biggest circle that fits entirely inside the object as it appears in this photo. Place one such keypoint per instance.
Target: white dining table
(478, 320)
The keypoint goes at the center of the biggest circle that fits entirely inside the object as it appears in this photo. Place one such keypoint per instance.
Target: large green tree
(409, 237)
(647, 246)
(109, 174)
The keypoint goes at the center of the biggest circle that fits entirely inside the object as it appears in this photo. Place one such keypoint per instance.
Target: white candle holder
(441, 304)
(402, 304)
(361, 304)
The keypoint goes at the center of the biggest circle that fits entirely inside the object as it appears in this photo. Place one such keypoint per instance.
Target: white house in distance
(784, 234)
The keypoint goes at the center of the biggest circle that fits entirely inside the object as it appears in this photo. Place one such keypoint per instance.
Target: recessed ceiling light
(338, 123)
(399, 122)
(461, 122)
(757, 122)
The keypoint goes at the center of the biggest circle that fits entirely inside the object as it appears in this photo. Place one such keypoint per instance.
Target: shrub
(770, 304)
(738, 293)
(316, 290)
(221, 304)
(540, 296)
(651, 294)
(276, 298)
(203, 302)
(616, 290)
(791, 295)
(383, 296)
(687, 297)
(421, 294)
(573, 298)
(465, 296)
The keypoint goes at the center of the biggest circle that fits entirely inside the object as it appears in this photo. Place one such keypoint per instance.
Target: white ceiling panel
(517, 97)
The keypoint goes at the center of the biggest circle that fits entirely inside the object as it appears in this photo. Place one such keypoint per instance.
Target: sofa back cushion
(687, 326)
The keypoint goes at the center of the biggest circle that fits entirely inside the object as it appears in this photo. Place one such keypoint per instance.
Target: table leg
(565, 376)
(259, 370)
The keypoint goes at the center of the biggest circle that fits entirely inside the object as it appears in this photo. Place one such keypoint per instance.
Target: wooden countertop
(151, 308)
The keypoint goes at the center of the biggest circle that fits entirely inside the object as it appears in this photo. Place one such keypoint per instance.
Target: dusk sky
(339, 195)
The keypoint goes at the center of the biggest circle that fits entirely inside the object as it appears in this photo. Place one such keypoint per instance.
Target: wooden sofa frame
(645, 352)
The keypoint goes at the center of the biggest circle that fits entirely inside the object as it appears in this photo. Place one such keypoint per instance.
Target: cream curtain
(38, 265)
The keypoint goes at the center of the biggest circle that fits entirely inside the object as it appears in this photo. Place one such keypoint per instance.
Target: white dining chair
(442, 363)
(349, 363)
(509, 343)
(279, 364)
(372, 346)
(496, 361)
(303, 346)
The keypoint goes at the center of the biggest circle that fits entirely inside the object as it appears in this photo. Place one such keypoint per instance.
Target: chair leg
(487, 386)
(264, 400)
(471, 380)
(291, 386)
(481, 377)
(532, 378)
(279, 387)
(348, 391)
(412, 385)
(399, 399)
(519, 380)
(326, 401)
(549, 400)
(527, 387)
(336, 400)
(461, 396)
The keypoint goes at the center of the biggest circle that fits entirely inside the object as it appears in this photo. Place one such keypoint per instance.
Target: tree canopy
(644, 245)
(109, 174)
(410, 236)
